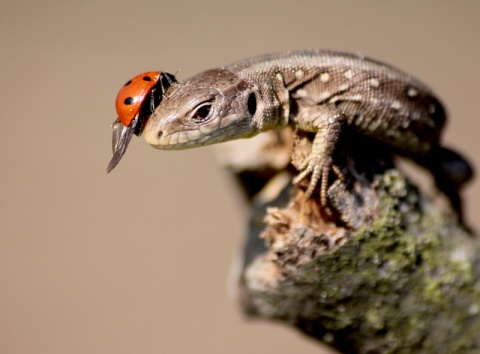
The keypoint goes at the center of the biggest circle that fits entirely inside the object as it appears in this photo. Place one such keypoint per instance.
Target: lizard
(318, 91)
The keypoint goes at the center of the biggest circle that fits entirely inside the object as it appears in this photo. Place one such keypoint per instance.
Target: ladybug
(135, 103)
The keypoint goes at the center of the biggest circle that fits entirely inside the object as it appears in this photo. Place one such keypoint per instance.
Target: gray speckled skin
(317, 91)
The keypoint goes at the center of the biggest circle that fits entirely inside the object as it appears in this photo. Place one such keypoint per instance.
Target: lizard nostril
(160, 133)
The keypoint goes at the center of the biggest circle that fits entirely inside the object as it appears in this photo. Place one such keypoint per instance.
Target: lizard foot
(319, 167)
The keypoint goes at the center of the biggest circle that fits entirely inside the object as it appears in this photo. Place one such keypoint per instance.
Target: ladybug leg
(152, 101)
(163, 87)
(171, 80)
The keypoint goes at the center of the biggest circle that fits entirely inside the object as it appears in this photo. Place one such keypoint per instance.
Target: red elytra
(132, 95)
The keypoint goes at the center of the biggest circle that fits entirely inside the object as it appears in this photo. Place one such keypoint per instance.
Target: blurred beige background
(137, 261)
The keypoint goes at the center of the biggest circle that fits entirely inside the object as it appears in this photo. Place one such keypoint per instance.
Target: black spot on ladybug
(128, 83)
(128, 101)
(147, 78)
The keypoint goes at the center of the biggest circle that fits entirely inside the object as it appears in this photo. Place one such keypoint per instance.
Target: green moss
(395, 281)
(406, 283)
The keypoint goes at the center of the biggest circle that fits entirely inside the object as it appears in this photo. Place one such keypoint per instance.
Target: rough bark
(389, 272)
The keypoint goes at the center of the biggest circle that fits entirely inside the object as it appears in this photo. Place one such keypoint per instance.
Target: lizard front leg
(327, 122)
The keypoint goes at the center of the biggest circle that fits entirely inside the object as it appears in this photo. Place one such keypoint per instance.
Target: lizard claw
(319, 168)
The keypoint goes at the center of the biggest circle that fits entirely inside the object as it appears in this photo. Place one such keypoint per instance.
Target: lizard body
(317, 91)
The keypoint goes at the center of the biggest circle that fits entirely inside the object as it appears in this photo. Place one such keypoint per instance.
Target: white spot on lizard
(301, 93)
(324, 77)
(299, 74)
(396, 105)
(374, 82)
(412, 92)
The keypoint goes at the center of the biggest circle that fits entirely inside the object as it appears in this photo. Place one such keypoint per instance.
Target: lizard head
(211, 107)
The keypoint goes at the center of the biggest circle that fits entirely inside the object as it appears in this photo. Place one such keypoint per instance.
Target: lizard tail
(448, 166)
(451, 172)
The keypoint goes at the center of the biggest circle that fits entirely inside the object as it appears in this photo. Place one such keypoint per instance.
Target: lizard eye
(202, 112)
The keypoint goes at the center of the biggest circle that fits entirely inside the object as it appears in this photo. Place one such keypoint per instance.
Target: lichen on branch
(388, 273)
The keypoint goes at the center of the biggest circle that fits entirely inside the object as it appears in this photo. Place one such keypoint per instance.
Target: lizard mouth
(162, 139)
(183, 139)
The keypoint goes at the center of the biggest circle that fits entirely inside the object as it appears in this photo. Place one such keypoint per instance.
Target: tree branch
(389, 273)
